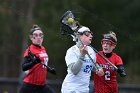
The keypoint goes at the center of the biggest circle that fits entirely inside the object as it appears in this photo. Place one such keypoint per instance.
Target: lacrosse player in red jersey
(34, 58)
(108, 82)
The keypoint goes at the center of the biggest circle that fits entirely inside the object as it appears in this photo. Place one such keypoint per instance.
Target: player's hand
(83, 50)
(34, 58)
(121, 70)
(100, 72)
(123, 74)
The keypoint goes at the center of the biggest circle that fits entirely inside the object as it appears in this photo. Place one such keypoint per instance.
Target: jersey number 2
(107, 75)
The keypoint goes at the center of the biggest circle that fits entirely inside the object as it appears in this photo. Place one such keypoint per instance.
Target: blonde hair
(112, 35)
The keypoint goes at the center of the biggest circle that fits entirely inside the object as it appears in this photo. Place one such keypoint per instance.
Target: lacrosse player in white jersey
(79, 65)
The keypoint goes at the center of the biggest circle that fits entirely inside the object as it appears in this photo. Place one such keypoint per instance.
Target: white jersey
(78, 83)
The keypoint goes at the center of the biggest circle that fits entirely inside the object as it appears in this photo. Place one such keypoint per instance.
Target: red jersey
(107, 83)
(37, 74)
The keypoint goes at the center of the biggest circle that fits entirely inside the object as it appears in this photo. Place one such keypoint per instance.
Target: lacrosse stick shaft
(104, 58)
(44, 64)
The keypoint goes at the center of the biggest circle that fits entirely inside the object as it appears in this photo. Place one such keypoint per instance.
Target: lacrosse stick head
(68, 28)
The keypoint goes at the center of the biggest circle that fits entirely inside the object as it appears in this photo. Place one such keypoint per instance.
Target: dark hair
(34, 28)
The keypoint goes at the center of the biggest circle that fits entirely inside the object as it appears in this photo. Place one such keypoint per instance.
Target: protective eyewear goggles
(38, 35)
(86, 33)
(108, 42)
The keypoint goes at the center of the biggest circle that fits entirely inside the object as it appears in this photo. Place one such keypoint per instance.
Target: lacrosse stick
(104, 57)
(70, 27)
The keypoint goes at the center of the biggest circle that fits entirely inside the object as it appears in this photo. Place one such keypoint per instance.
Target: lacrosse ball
(70, 20)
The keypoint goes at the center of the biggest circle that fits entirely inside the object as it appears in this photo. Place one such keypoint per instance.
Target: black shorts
(30, 88)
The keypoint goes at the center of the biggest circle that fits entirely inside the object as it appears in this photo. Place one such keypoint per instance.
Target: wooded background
(101, 16)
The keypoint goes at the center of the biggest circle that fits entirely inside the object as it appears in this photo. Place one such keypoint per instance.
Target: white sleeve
(71, 57)
(74, 60)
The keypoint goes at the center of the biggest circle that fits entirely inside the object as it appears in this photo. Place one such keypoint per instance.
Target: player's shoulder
(116, 56)
(73, 48)
(90, 48)
(91, 51)
(26, 52)
(42, 47)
